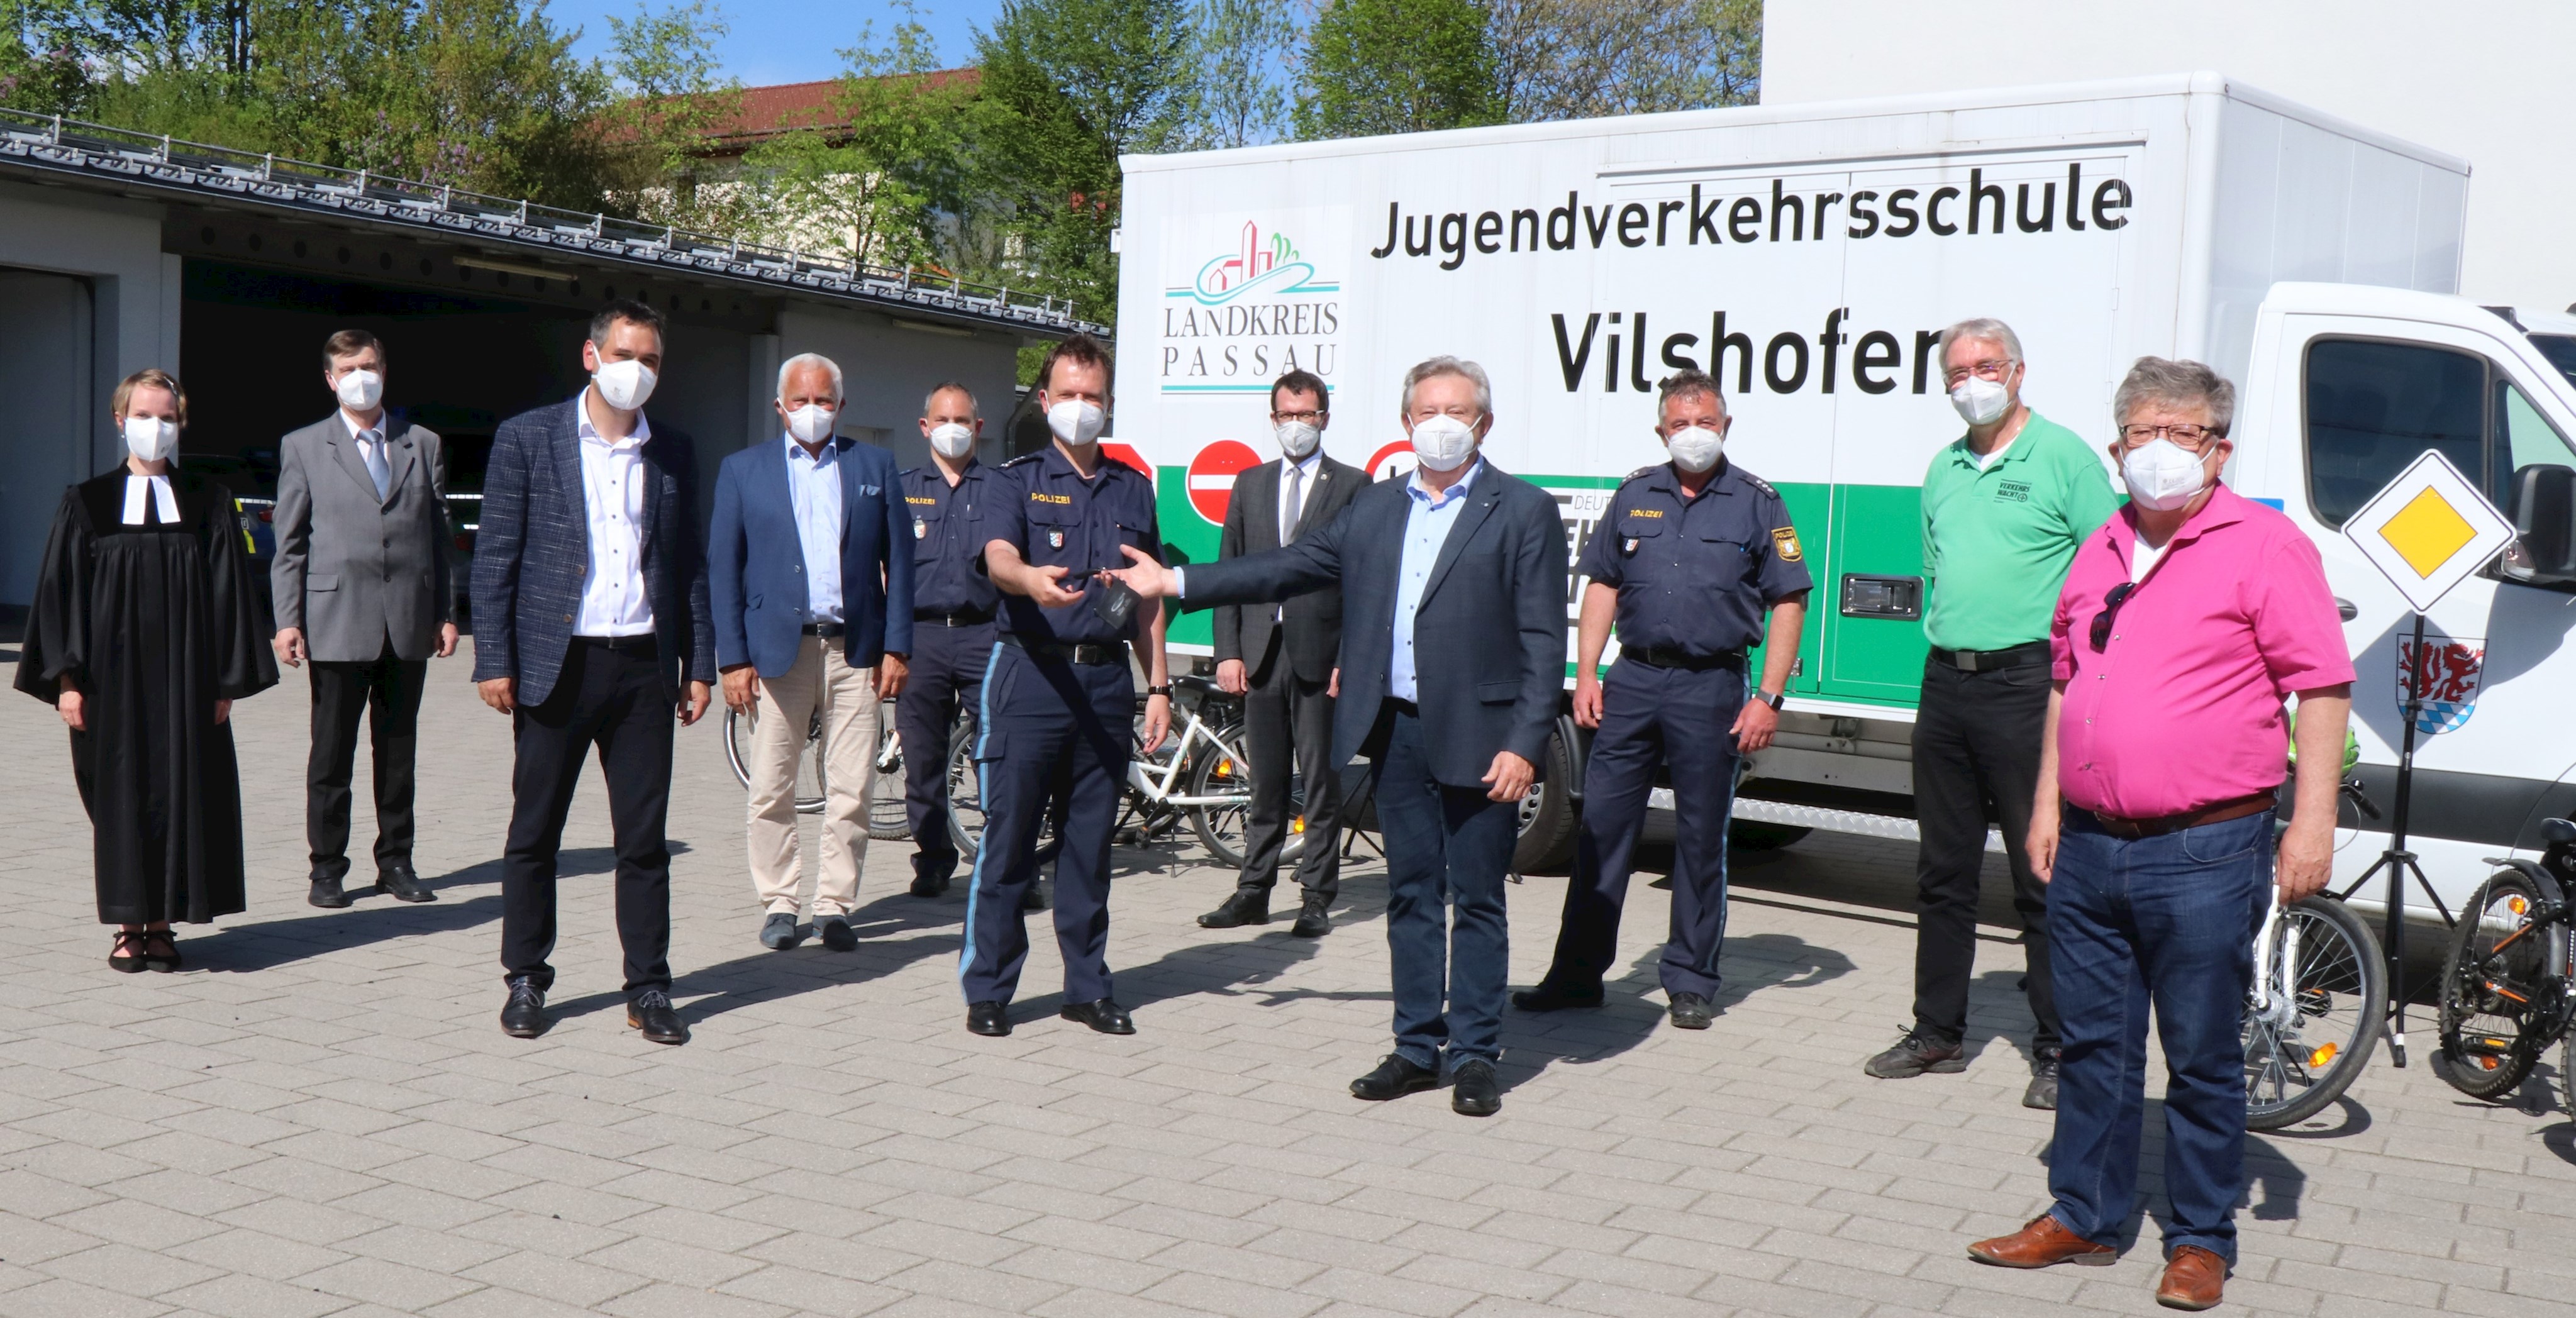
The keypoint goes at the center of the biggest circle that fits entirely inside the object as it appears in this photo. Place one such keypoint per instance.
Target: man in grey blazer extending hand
(362, 589)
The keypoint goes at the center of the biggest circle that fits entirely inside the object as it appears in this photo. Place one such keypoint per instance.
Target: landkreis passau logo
(1245, 301)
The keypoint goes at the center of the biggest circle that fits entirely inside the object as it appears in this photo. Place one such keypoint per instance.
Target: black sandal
(154, 960)
(122, 961)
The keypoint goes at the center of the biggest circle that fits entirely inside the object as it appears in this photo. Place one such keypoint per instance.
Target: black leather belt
(1112, 652)
(953, 619)
(1405, 707)
(1673, 656)
(830, 631)
(1990, 661)
(647, 643)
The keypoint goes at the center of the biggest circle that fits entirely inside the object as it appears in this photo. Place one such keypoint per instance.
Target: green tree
(1398, 66)
(1243, 55)
(673, 99)
(1071, 85)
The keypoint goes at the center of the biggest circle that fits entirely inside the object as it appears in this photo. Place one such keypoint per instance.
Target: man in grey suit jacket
(1452, 666)
(1281, 659)
(361, 581)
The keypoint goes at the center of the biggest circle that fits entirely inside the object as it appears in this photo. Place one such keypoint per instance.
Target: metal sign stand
(2399, 862)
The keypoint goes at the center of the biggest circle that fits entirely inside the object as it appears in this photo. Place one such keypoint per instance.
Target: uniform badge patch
(920, 529)
(1784, 539)
(1632, 545)
(1055, 539)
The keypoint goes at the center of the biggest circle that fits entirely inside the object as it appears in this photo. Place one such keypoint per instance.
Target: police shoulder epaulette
(1756, 482)
(1024, 459)
(1642, 472)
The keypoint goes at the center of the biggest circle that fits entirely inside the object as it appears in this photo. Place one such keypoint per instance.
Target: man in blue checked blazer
(810, 569)
(591, 628)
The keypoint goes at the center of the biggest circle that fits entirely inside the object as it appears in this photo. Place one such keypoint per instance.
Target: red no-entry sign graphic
(1212, 475)
(1393, 462)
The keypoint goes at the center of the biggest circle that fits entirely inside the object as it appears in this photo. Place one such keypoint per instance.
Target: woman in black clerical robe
(143, 632)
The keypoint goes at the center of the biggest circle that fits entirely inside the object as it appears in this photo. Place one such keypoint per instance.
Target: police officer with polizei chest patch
(953, 605)
(1058, 696)
(1689, 557)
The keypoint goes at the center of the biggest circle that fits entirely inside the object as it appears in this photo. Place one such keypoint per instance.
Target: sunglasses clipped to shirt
(2111, 602)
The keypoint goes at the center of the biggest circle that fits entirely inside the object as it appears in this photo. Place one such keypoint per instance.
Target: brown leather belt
(2134, 829)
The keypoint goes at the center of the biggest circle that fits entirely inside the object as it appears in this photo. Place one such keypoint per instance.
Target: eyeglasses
(2110, 610)
(2191, 439)
(1308, 418)
(1991, 369)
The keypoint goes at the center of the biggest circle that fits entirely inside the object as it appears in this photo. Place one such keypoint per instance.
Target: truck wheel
(1548, 816)
(1749, 835)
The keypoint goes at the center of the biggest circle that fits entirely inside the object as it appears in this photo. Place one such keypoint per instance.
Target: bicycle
(887, 821)
(1199, 776)
(2508, 991)
(2318, 1001)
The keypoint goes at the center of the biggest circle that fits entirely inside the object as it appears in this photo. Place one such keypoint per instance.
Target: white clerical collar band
(161, 497)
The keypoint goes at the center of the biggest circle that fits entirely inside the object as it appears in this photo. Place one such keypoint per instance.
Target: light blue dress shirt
(814, 488)
(1426, 528)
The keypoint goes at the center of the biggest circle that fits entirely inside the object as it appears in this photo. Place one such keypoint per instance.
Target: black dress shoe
(525, 1015)
(1394, 1078)
(1314, 919)
(1105, 1016)
(402, 885)
(327, 895)
(1240, 909)
(836, 932)
(1690, 1011)
(989, 1019)
(1473, 1091)
(1549, 996)
(1039, 895)
(651, 1011)
(929, 882)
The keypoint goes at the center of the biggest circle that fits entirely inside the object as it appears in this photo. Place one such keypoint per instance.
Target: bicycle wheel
(810, 780)
(2328, 996)
(1223, 770)
(965, 792)
(888, 818)
(2491, 988)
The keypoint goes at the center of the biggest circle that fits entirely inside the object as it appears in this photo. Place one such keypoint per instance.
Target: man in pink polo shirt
(2187, 622)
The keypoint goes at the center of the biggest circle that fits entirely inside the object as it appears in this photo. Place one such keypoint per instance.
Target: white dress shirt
(159, 494)
(367, 436)
(814, 492)
(613, 599)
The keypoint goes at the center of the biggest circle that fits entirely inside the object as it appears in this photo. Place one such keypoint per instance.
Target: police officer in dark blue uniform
(953, 604)
(1059, 695)
(1689, 556)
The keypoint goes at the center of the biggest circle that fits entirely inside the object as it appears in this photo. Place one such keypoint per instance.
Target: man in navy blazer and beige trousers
(590, 628)
(811, 578)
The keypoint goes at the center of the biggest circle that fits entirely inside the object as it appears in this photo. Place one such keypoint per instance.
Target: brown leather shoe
(2042, 1241)
(2195, 1278)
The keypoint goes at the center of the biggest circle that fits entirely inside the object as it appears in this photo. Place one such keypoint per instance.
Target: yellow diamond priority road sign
(2428, 530)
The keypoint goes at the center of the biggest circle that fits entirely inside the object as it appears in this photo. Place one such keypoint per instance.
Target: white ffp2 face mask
(951, 440)
(1694, 449)
(2161, 476)
(1297, 439)
(360, 391)
(1076, 422)
(1980, 402)
(812, 423)
(150, 438)
(1443, 443)
(624, 385)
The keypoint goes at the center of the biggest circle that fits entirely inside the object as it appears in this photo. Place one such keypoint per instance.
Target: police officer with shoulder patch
(1689, 557)
(1059, 695)
(952, 618)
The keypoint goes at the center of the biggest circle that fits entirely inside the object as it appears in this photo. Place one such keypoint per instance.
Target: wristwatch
(1775, 699)
(1165, 691)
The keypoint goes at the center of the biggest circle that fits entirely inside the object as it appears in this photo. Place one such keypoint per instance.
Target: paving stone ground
(320, 1116)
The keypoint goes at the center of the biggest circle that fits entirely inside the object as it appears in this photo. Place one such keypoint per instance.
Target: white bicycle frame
(1156, 784)
(2271, 998)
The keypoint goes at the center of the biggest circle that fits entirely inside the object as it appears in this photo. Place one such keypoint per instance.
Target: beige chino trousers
(821, 682)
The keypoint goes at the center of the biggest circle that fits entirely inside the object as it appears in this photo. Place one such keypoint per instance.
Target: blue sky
(792, 40)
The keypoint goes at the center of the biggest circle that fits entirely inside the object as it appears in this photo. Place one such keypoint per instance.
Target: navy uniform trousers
(947, 674)
(1652, 716)
(1047, 726)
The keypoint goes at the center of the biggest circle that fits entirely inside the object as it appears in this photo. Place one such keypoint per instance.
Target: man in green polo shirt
(2004, 507)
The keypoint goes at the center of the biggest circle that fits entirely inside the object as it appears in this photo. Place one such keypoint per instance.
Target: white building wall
(887, 367)
(2486, 82)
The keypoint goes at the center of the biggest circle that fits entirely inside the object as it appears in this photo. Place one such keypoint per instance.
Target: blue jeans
(2168, 920)
(1445, 846)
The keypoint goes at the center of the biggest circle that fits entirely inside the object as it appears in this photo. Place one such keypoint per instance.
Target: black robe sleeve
(244, 663)
(58, 622)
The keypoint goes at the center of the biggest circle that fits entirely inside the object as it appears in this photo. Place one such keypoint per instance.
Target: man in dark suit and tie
(1452, 664)
(361, 586)
(1279, 658)
(592, 627)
